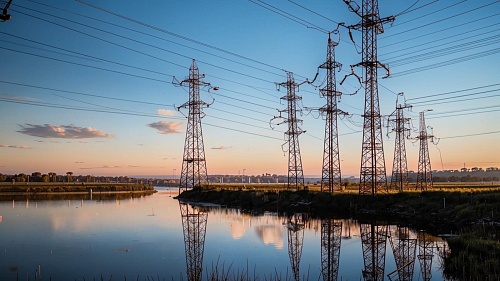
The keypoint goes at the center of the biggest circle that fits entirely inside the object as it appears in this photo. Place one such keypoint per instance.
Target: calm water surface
(127, 238)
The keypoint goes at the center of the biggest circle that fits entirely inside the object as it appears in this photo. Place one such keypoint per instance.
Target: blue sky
(88, 89)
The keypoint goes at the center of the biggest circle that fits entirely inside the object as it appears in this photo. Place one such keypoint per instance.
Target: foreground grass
(475, 254)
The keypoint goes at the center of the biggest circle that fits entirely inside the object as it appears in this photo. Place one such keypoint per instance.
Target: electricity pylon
(295, 172)
(331, 231)
(424, 176)
(373, 244)
(425, 255)
(331, 175)
(194, 166)
(194, 226)
(404, 249)
(295, 227)
(372, 175)
(400, 125)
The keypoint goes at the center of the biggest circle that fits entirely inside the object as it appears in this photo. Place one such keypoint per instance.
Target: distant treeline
(70, 178)
(448, 176)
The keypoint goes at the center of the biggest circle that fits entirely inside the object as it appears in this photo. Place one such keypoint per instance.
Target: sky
(87, 86)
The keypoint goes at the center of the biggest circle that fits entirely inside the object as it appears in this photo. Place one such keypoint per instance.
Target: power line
(126, 28)
(475, 98)
(41, 104)
(453, 92)
(120, 72)
(463, 110)
(133, 40)
(441, 20)
(179, 36)
(446, 63)
(446, 51)
(465, 114)
(133, 101)
(406, 10)
(441, 30)
(441, 44)
(309, 10)
(85, 65)
(47, 50)
(422, 16)
(157, 37)
(86, 55)
(470, 135)
(288, 16)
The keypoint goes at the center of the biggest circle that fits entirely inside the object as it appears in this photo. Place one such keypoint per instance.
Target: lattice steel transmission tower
(331, 178)
(194, 166)
(373, 243)
(401, 126)
(424, 176)
(295, 227)
(404, 248)
(194, 226)
(331, 231)
(425, 255)
(372, 175)
(295, 172)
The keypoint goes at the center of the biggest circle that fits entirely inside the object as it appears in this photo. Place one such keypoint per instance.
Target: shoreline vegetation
(37, 188)
(470, 211)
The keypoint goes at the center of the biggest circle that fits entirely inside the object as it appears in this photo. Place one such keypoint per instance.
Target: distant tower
(295, 227)
(373, 243)
(425, 255)
(399, 179)
(404, 249)
(194, 227)
(295, 172)
(331, 231)
(194, 167)
(331, 175)
(372, 175)
(424, 176)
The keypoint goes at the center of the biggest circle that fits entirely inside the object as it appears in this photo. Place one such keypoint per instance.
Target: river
(143, 238)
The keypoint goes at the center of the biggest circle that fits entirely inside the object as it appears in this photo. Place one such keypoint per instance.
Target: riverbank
(73, 188)
(472, 213)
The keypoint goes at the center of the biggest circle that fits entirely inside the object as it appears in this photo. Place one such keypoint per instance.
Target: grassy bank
(471, 211)
(37, 188)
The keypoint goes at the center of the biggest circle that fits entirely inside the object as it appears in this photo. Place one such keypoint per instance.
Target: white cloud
(165, 112)
(62, 131)
(222, 147)
(101, 167)
(165, 127)
(15, 146)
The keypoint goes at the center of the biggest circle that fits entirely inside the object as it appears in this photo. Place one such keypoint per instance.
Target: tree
(45, 178)
(69, 176)
(36, 176)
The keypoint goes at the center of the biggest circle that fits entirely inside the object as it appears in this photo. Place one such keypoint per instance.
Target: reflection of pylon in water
(331, 231)
(295, 227)
(425, 255)
(194, 225)
(404, 249)
(373, 242)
